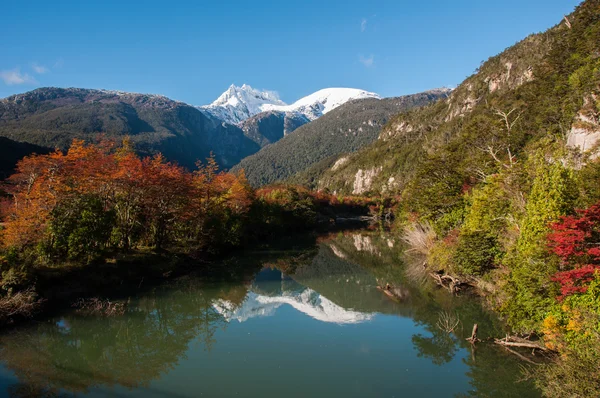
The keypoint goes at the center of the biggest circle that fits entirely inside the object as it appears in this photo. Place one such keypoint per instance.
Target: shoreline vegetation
(79, 223)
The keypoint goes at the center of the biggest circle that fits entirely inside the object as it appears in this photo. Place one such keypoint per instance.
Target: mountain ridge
(237, 104)
(345, 129)
(53, 117)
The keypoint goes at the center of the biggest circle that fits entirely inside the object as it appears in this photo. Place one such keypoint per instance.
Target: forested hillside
(53, 117)
(271, 126)
(345, 129)
(544, 87)
(499, 188)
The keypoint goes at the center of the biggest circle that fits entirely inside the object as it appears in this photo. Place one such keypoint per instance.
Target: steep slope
(11, 152)
(52, 117)
(271, 126)
(345, 129)
(544, 87)
(240, 103)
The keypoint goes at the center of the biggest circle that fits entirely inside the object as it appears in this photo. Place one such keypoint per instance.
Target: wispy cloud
(14, 77)
(367, 61)
(363, 24)
(39, 69)
(59, 63)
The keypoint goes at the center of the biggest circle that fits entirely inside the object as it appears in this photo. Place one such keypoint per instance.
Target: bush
(573, 327)
(476, 253)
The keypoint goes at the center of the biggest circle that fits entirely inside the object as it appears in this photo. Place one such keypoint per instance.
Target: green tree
(553, 195)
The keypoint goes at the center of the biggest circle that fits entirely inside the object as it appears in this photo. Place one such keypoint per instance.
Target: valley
(450, 234)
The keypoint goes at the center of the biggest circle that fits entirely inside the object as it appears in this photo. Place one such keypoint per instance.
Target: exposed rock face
(390, 186)
(364, 180)
(585, 131)
(340, 162)
(497, 82)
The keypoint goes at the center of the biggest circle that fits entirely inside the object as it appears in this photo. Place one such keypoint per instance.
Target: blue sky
(193, 50)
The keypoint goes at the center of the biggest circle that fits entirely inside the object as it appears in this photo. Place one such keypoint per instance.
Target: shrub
(476, 253)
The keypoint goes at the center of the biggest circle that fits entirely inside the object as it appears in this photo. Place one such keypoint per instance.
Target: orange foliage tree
(104, 196)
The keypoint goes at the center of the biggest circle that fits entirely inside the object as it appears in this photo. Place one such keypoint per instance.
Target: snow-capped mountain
(240, 103)
(317, 104)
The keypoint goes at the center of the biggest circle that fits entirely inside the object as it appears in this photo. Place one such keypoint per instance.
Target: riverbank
(55, 288)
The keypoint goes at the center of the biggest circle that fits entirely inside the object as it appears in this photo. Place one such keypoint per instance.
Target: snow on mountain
(240, 103)
(317, 104)
(308, 302)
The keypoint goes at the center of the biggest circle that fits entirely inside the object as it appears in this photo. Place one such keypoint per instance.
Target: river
(302, 320)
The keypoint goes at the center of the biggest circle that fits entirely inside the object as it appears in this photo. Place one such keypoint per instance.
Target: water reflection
(296, 299)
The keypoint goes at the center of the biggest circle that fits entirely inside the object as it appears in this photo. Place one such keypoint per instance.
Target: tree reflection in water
(77, 353)
(80, 352)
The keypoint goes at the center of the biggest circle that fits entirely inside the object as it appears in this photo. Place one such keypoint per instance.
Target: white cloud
(363, 24)
(39, 69)
(367, 61)
(13, 77)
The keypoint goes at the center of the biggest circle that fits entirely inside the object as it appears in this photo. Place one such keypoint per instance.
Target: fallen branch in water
(514, 341)
(449, 282)
(393, 292)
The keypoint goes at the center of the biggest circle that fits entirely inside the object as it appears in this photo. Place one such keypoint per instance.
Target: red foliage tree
(576, 240)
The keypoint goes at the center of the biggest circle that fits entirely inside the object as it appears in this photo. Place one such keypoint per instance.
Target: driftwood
(448, 282)
(387, 291)
(395, 293)
(514, 341)
(473, 339)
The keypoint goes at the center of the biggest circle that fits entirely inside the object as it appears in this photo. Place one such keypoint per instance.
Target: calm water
(306, 321)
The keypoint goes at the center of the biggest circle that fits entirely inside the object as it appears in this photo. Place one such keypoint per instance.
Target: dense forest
(271, 126)
(345, 129)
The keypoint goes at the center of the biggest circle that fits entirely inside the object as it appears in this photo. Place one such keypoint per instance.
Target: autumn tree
(576, 240)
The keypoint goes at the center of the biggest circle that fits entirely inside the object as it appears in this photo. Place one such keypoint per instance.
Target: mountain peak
(237, 104)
